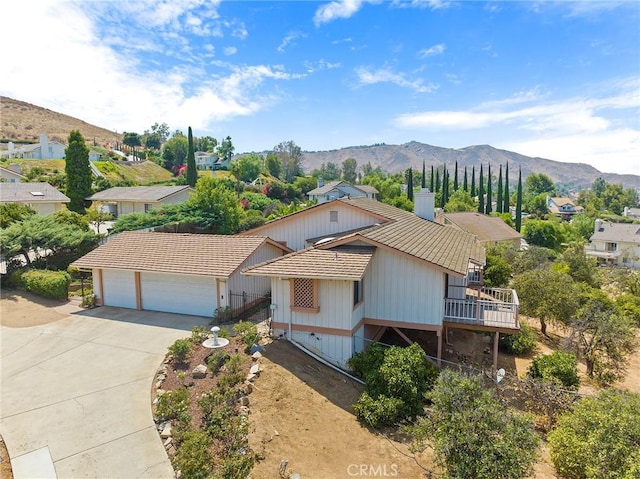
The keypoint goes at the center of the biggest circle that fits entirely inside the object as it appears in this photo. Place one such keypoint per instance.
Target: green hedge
(50, 284)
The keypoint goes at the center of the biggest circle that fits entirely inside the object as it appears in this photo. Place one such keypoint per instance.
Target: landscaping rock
(199, 372)
(167, 443)
(257, 355)
(166, 431)
(247, 388)
(243, 411)
(251, 377)
(243, 401)
(255, 369)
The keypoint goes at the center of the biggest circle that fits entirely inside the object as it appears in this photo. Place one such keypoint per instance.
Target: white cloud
(110, 88)
(432, 4)
(385, 75)
(289, 39)
(433, 50)
(590, 129)
(337, 9)
(228, 51)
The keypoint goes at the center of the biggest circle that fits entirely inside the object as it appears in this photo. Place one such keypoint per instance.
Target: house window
(305, 295)
(611, 247)
(357, 292)
(333, 216)
(147, 207)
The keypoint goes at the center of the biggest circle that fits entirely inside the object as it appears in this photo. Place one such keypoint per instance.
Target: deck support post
(439, 333)
(496, 339)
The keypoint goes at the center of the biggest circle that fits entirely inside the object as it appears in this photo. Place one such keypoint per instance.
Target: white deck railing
(493, 307)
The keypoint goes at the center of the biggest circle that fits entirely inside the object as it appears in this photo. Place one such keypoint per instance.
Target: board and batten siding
(398, 288)
(334, 349)
(316, 223)
(254, 284)
(119, 288)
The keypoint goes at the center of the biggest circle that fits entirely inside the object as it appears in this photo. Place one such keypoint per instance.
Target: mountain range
(21, 121)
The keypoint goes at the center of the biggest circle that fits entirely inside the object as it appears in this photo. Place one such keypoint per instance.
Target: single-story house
(565, 208)
(44, 150)
(488, 229)
(178, 273)
(340, 189)
(11, 174)
(121, 200)
(633, 213)
(42, 197)
(377, 268)
(615, 244)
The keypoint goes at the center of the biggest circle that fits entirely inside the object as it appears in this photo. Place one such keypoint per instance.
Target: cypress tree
(455, 178)
(445, 187)
(423, 184)
(465, 183)
(489, 199)
(437, 181)
(499, 200)
(519, 203)
(505, 195)
(481, 192)
(410, 184)
(431, 181)
(78, 171)
(473, 181)
(192, 173)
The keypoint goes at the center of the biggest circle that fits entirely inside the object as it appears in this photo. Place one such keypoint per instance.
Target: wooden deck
(493, 309)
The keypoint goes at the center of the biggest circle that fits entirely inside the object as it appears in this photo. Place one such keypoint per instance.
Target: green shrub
(235, 466)
(194, 458)
(558, 366)
(173, 405)
(248, 332)
(215, 399)
(368, 360)
(381, 411)
(216, 360)
(524, 342)
(50, 284)
(199, 334)
(180, 349)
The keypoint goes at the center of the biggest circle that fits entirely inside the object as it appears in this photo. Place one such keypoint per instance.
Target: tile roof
(137, 193)
(443, 246)
(342, 263)
(198, 254)
(486, 228)
(30, 193)
(618, 233)
(321, 190)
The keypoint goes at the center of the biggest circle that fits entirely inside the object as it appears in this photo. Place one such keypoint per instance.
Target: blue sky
(559, 80)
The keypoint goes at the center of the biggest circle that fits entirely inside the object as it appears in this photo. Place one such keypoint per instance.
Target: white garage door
(178, 293)
(119, 288)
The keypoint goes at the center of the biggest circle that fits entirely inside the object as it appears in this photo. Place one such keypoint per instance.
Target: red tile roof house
(362, 267)
(177, 273)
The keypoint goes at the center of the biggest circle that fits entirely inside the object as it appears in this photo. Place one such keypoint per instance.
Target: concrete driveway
(76, 393)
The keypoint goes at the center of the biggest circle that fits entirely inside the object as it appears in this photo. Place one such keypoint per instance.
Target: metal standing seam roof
(342, 262)
(30, 193)
(178, 253)
(137, 193)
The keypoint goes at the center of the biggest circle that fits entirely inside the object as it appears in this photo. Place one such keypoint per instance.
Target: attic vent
(37, 193)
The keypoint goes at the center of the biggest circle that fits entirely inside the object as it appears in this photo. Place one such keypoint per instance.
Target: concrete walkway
(75, 394)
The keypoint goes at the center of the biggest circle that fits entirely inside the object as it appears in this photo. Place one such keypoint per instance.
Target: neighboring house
(488, 229)
(177, 273)
(633, 213)
(42, 197)
(94, 155)
(377, 269)
(563, 207)
(205, 160)
(44, 150)
(121, 200)
(340, 189)
(615, 244)
(11, 174)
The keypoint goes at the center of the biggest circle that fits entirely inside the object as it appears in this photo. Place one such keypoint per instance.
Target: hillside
(21, 121)
(396, 158)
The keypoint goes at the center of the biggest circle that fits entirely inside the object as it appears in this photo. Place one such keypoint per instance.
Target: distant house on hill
(11, 174)
(139, 199)
(44, 150)
(210, 161)
(340, 189)
(563, 207)
(615, 244)
(42, 197)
